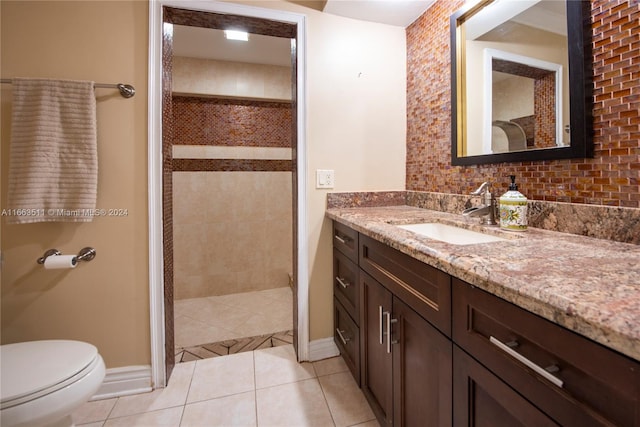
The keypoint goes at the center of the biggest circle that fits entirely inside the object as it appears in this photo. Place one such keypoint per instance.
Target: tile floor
(262, 388)
(226, 317)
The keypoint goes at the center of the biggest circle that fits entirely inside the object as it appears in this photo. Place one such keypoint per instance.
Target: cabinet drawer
(345, 283)
(347, 338)
(481, 399)
(598, 386)
(345, 240)
(425, 289)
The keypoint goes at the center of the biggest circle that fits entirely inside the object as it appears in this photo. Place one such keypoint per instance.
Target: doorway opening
(211, 173)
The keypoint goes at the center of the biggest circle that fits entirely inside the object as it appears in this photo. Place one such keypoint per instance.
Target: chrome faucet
(486, 211)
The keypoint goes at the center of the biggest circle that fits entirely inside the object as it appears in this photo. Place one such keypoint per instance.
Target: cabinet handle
(342, 282)
(541, 371)
(342, 240)
(342, 338)
(389, 322)
(381, 324)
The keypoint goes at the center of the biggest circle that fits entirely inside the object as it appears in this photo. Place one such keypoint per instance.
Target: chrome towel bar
(127, 91)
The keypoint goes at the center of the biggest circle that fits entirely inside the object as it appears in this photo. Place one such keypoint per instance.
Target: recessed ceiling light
(236, 35)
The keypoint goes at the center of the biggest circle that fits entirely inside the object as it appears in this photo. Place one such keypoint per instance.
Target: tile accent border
(233, 346)
(231, 165)
(603, 222)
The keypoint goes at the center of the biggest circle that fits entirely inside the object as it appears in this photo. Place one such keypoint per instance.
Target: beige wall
(105, 301)
(233, 79)
(356, 125)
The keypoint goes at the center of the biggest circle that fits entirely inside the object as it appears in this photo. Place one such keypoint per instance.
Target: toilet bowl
(43, 382)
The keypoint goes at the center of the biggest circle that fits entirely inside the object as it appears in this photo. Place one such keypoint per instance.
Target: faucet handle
(484, 187)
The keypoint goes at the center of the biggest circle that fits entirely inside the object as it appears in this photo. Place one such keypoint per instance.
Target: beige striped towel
(53, 159)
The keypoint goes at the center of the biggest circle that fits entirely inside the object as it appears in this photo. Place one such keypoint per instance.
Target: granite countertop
(590, 286)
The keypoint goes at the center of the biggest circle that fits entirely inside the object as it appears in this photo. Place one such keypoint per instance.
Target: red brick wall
(212, 121)
(610, 178)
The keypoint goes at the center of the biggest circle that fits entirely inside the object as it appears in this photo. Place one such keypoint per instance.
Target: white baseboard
(322, 349)
(124, 381)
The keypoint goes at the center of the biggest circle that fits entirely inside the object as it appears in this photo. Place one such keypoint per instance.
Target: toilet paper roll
(61, 261)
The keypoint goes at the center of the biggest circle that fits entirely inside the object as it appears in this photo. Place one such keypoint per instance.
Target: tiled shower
(232, 206)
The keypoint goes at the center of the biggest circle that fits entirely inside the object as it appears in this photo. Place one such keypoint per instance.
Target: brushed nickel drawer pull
(342, 240)
(541, 371)
(342, 338)
(342, 282)
(389, 322)
(381, 324)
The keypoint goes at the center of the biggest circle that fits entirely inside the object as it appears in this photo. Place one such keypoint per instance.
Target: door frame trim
(154, 141)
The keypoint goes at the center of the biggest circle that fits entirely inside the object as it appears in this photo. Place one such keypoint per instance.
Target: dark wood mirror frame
(580, 92)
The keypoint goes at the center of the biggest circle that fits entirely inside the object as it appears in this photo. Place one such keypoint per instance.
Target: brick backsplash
(610, 178)
(231, 122)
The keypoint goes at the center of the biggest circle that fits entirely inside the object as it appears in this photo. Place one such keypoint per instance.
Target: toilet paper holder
(85, 254)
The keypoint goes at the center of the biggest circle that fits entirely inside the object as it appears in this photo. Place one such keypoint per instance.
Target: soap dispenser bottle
(513, 208)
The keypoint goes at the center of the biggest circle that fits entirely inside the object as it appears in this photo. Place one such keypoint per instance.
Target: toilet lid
(29, 367)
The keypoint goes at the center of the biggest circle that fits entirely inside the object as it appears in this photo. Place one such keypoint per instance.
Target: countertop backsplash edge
(615, 223)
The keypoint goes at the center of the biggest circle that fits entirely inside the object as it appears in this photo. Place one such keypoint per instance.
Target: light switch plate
(325, 178)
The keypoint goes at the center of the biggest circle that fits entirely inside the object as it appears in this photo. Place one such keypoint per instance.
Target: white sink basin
(450, 234)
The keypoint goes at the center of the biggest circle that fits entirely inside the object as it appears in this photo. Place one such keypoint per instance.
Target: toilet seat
(30, 370)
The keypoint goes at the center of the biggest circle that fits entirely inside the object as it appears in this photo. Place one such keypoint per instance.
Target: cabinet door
(481, 399)
(376, 361)
(421, 371)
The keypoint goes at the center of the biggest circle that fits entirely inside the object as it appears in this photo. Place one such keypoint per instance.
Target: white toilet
(43, 382)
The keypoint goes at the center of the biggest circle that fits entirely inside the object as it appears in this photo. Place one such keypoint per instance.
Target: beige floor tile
(190, 332)
(260, 324)
(346, 402)
(90, 412)
(215, 313)
(222, 376)
(297, 404)
(213, 319)
(163, 418)
(96, 424)
(175, 394)
(236, 410)
(330, 366)
(278, 365)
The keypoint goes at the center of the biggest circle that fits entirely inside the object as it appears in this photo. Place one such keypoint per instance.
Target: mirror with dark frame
(521, 81)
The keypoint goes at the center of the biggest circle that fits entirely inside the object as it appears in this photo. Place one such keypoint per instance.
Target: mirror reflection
(515, 63)
(514, 94)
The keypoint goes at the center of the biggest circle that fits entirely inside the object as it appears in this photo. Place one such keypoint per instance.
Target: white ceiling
(400, 13)
(207, 43)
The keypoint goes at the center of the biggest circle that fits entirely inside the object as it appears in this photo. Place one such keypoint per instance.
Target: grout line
(326, 402)
(255, 389)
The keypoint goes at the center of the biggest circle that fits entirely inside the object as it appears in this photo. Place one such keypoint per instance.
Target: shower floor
(214, 326)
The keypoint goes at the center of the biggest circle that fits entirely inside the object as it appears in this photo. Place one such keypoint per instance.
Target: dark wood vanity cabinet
(405, 359)
(480, 399)
(346, 295)
(406, 362)
(436, 351)
(569, 378)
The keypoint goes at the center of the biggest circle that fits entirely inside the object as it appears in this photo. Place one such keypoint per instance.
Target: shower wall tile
(232, 232)
(231, 79)
(231, 122)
